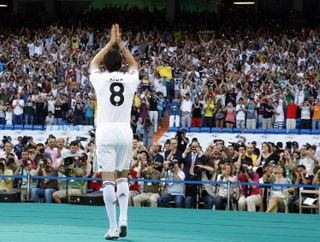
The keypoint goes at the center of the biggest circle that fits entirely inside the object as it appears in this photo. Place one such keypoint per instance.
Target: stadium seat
(251, 131)
(315, 131)
(173, 129)
(205, 130)
(293, 131)
(194, 129)
(237, 130)
(305, 131)
(216, 130)
(27, 127)
(281, 131)
(8, 126)
(226, 130)
(18, 126)
(38, 127)
(259, 131)
(271, 131)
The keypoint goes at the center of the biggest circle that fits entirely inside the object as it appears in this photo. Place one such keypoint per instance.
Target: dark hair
(113, 60)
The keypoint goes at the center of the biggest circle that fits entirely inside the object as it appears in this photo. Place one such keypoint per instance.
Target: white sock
(109, 198)
(123, 197)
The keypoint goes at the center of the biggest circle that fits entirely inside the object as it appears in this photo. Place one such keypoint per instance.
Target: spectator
(279, 115)
(316, 115)
(29, 111)
(175, 191)
(186, 111)
(291, 114)
(279, 194)
(221, 198)
(305, 122)
(89, 111)
(150, 192)
(219, 115)
(208, 111)
(268, 111)
(197, 109)
(9, 115)
(18, 105)
(45, 187)
(50, 120)
(251, 114)
(153, 111)
(174, 113)
(69, 169)
(241, 114)
(2, 112)
(250, 195)
(230, 115)
(25, 169)
(6, 184)
(78, 111)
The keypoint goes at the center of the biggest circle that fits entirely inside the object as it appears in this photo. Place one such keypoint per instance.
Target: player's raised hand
(113, 38)
(118, 35)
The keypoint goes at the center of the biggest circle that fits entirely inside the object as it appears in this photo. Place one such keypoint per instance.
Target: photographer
(24, 170)
(301, 177)
(203, 171)
(6, 184)
(250, 195)
(175, 191)
(191, 157)
(39, 154)
(45, 187)
(316, 178)
(8, 149)
(69, 168)
(150, 190)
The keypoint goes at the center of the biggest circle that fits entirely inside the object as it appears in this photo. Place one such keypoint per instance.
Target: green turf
(47, 223)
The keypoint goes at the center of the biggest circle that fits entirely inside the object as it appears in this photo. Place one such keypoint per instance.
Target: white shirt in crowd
(241, 115)
(18, 105)
(186, 106)
(280, 116)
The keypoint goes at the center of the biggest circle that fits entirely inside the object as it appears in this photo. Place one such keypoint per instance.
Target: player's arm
(126, 53)
(95, 63)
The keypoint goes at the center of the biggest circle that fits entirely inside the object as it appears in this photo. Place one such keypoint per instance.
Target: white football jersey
(114, 92)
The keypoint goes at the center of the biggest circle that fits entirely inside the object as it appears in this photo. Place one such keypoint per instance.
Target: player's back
(114, 92)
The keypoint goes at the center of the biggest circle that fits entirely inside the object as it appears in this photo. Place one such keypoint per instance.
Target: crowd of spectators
(179, 159)
(246, 78)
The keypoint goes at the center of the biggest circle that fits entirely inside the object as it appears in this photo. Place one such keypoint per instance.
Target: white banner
(206, 138)
(64, 131)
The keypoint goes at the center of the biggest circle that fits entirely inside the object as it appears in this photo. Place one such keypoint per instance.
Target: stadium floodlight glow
(244, 3)
(3, 5)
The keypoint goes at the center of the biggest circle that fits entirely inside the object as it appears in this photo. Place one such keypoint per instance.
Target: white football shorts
(113, 147)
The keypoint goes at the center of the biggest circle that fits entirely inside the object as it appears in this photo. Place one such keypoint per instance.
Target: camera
(68, 161)
(24, 163)
(45, 162)
(171, 165)
(193, 148)
(11, 161)
(6, 139)
(41, 151)
(197, 171)
(245, 169)
(1, 166)
(25, 140)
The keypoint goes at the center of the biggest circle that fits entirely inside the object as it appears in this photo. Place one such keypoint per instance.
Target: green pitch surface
(29, 222)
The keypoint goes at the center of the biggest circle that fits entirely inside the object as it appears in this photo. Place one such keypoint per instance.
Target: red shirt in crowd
(292, 111)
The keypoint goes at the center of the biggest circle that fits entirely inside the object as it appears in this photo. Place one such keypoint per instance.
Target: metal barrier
(228, 183)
